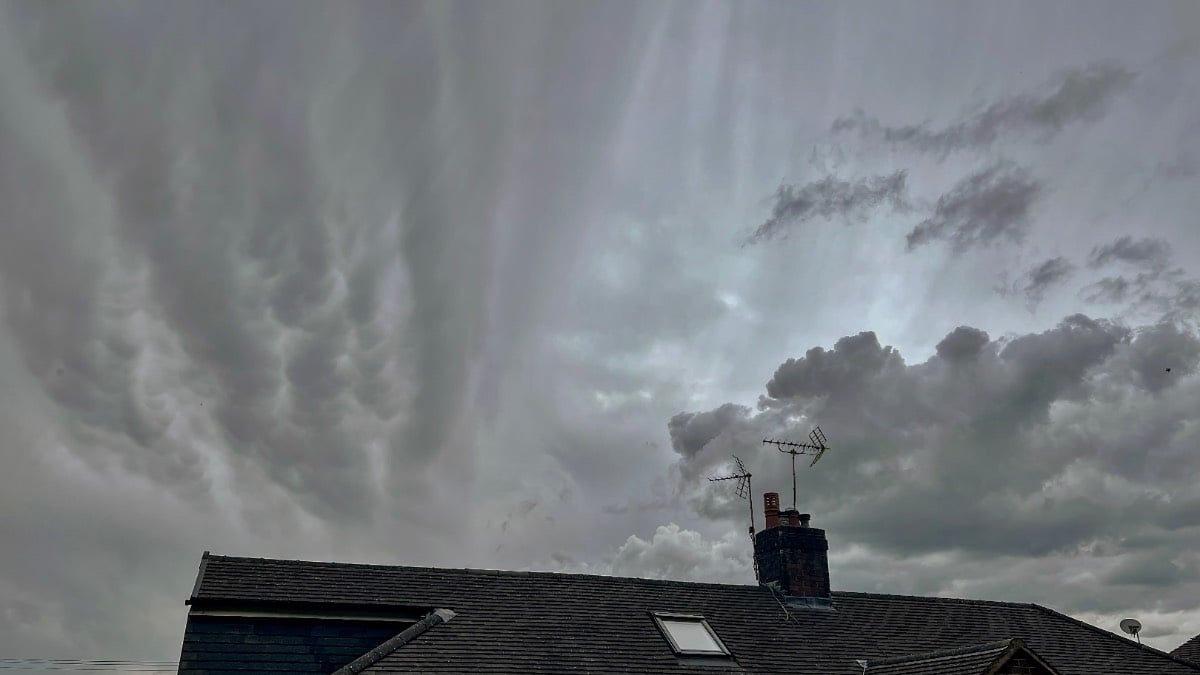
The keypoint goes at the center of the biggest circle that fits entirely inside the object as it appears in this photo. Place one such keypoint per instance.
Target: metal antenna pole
(815, 446)
(793, 454)
(743, 489)
(750, 489)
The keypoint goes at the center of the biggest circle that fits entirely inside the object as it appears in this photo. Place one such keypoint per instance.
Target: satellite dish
(1132, 627)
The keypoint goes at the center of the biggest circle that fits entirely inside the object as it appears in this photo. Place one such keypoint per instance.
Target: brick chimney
(792, 554)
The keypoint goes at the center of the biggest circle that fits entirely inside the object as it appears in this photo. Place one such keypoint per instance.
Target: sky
(500, 284)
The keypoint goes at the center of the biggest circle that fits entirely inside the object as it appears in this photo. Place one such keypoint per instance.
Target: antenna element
(743, 490)
(742, 476)
(816, 445)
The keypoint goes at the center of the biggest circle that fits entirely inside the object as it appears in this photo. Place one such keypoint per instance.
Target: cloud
(1019, 446)
(678, 553)
(962, 344)
(1080, 94)
(1149, 253)
(988, 206)
(1184, 165)
(690, 432)
(1039, 279)
(832, 197)
(1153, 570)
(851, 365)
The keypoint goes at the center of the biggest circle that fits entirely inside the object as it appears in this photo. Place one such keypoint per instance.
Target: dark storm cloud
(222, 198)
(832, 197)
(1149, 253)
(850, 365)
(690, 432)
(1162, 355)
(1075, 95)
(963, 344)
(992, 446)
(986, 207)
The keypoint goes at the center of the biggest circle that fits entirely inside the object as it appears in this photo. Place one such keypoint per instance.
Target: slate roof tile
(540, 622)
(1189, 650)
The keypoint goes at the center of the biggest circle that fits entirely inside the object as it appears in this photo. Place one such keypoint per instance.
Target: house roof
(1189, 650)
(541, 622)
(985, 659)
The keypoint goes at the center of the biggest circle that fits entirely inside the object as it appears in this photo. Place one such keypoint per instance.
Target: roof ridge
(1114, 636)
(931, 598)
(485, 571)
(945, 653)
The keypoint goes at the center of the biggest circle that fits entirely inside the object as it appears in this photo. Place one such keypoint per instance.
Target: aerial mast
(815, 446)
(743, 490)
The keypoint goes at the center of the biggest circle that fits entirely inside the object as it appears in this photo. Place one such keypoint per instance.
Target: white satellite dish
(1132, 627)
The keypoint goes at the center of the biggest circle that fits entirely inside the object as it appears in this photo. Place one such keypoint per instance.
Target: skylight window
(690, 635)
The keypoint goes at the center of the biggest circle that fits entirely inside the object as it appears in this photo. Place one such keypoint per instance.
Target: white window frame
(659, 617)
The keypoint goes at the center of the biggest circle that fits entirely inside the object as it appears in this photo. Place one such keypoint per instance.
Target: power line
(121, 665)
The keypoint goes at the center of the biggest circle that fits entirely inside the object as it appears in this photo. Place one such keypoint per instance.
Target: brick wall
(796, 557)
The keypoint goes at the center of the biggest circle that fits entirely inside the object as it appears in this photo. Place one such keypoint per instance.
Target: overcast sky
(498, 284)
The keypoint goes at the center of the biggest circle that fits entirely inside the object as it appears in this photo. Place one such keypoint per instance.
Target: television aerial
(1132, 627)
(742, 476)
(816, 446)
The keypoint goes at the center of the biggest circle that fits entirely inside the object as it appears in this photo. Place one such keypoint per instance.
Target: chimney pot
(804, 518)
(771, 509)
(790, 517)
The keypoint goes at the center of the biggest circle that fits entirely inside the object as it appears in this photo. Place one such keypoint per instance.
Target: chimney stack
(792, 554)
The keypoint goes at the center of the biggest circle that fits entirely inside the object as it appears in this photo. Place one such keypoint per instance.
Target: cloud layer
(832, 197)
(1075, 95)
(1070, 443)
(989, 206)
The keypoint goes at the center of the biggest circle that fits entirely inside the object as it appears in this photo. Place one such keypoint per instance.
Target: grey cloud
(852, 364)
(1080, 94)
(988, 206)
(1164, 354)
(1044, 276)
(1166, 292)
(969, 444)
(1151, 570)
(690, 432)
(1149, 253)
(832, 197)
(962, 344)
(1109, 290)
(1184, 165)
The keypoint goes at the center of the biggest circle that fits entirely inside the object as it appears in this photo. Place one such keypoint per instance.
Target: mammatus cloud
(1056, 446)
(1080, 94)
(832, 197)
(984, 208)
